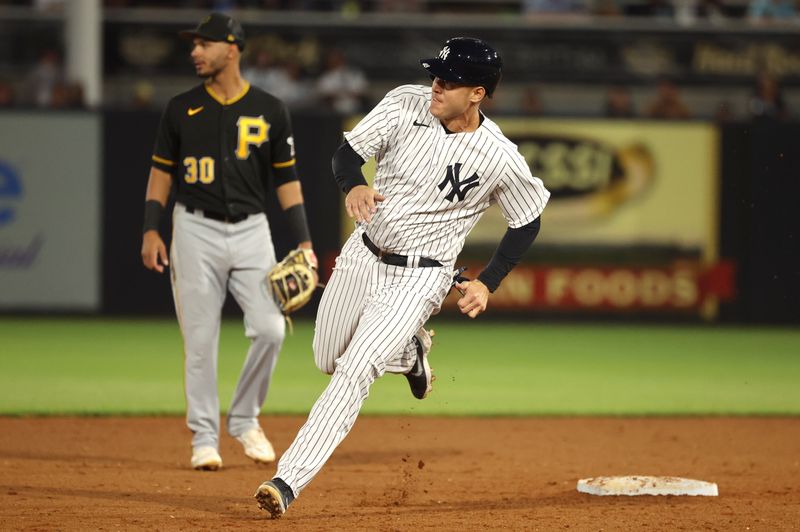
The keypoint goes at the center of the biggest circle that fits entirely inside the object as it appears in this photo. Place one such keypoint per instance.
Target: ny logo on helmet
(454, 178)
(444, 53)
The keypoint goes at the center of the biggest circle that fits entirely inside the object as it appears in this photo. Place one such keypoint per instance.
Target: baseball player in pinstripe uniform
(224, 145)
(440, 164)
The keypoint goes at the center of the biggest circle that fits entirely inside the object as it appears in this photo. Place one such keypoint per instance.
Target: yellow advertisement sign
(619, 183)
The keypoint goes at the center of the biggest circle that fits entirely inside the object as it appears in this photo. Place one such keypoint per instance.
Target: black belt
(397, 260)
(218, 216)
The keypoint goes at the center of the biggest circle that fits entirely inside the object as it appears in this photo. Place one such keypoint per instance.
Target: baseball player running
(440, 164)
(224, 144)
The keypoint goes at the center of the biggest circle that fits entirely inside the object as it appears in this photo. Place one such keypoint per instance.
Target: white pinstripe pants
(368, 314)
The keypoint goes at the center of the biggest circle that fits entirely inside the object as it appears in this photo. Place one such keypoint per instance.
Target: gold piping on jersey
(284, 164)
(222, 101)
(161, 160)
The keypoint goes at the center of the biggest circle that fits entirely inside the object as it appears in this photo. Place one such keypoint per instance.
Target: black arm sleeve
(347, 168)
(508, 254)
(297, 222)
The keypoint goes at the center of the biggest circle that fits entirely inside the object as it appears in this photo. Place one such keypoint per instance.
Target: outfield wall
(662, 220)
(50, 223)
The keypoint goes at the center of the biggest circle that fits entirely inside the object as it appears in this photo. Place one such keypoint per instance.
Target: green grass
(102, 366)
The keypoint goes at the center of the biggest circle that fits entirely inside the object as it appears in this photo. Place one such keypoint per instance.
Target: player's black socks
(286, 491)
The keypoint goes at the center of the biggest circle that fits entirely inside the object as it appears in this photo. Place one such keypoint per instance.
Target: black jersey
(223, 154)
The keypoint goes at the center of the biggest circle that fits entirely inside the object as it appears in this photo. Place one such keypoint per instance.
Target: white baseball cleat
(257, 446)
(206, 459)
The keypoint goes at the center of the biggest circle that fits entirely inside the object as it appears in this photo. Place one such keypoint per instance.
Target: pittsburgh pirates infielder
(440, 164)
(224, 143)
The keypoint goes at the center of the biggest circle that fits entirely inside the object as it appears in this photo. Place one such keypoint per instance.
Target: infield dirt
(404, 473)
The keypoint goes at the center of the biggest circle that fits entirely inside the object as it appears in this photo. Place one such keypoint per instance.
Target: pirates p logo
(252, 130)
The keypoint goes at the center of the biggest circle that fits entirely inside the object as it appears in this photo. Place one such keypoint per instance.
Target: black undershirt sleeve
(285, 175)
(347, 168)
(297, 223)
(508, 254)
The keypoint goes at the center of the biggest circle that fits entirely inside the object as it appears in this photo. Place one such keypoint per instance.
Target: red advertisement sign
(682, 286)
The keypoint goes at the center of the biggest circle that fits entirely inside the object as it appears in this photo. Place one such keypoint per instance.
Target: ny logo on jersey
(460, 188)
(444, 53)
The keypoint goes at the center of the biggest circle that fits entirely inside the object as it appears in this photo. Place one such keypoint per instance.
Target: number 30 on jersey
(252, 130)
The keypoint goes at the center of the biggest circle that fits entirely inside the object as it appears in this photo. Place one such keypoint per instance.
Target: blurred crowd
(765, 102)
(336, 84)
(343, 88)
(663, 100)
(683, 11)
(340, 86)
(46, 86)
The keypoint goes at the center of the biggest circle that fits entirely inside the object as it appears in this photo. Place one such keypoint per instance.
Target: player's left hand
(474, 297)
(312, 258)
(292, 281)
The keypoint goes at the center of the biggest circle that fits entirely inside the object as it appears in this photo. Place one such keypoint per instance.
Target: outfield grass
(101, 366)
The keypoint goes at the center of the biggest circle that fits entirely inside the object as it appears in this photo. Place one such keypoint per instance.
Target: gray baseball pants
(208, 258)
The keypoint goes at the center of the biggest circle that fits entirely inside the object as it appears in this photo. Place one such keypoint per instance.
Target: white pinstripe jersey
(438, 184)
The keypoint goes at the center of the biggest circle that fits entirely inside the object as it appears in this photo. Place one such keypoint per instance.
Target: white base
(646, 485)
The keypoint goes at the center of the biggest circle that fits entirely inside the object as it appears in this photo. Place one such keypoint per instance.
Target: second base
(646, 485)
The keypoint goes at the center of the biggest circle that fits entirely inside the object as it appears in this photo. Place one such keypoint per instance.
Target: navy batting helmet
(468, 61)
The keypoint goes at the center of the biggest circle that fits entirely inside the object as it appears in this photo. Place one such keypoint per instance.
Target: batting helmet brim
(439, 69)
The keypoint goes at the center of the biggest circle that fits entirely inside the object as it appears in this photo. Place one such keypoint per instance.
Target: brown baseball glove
(292, 281)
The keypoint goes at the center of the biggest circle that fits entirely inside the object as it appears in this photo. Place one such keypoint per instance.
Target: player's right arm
(154, 252)
(159, 185)
(368, 137)
(361, 200)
